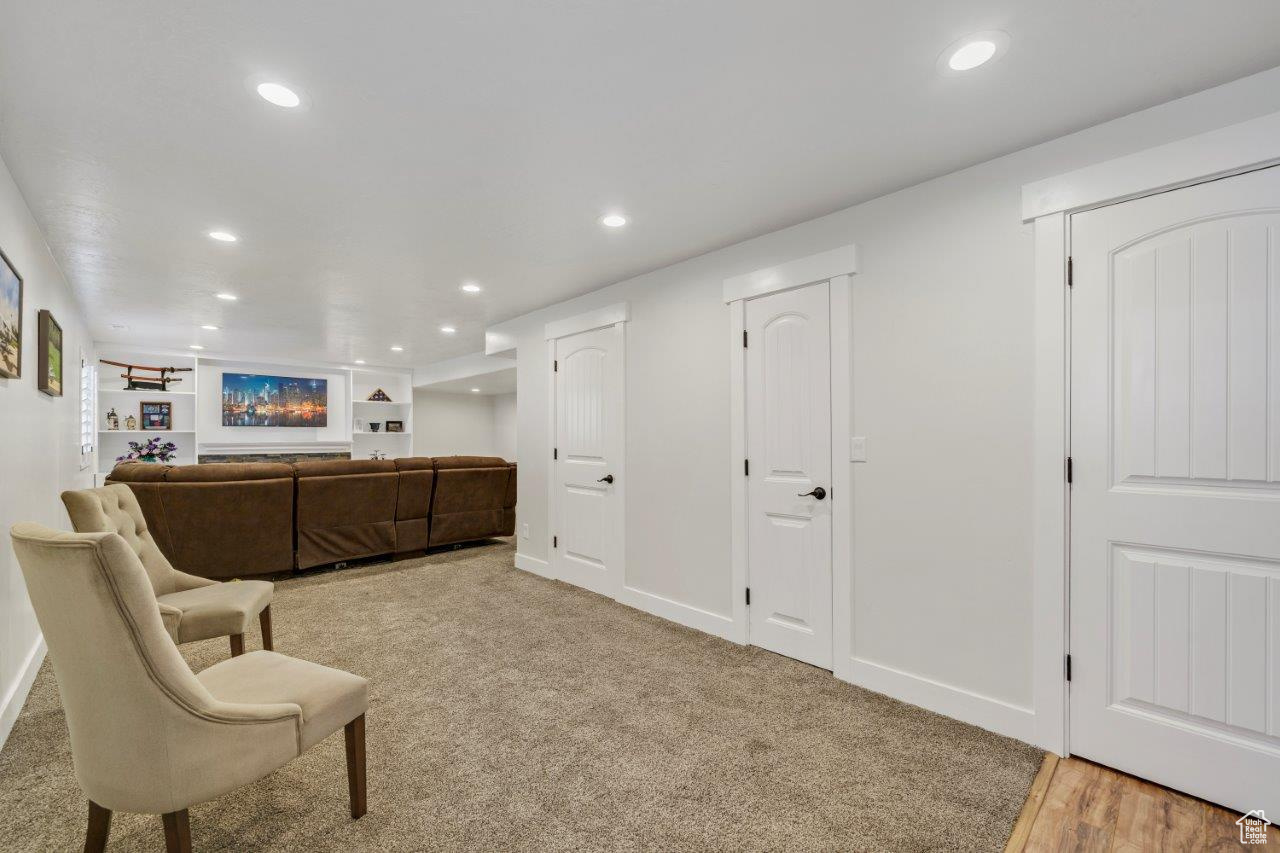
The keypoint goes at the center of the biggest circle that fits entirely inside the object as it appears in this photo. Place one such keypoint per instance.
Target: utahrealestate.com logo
(1253, 827)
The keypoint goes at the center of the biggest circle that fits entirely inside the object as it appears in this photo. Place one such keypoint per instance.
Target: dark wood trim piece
(95, 839)
(355, 766)
(264, 619)
(177, 832)
(237, 645)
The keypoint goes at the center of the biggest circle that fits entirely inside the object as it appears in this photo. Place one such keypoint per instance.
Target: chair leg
(237, 645)
(355, 766)
(95, 839)
(264, 619)
(177, 832)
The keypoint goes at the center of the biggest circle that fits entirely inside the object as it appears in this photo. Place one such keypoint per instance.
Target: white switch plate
(857, 448)
(524, 531)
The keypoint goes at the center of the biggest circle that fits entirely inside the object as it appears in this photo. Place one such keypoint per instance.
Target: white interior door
(586, 482)
(1175, 542)
(788, 426)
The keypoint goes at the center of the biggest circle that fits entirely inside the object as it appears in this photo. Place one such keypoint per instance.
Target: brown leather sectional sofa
(239, 520)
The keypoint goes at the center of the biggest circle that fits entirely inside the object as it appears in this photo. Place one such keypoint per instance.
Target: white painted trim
(737, 482)
(682, 614)
(840, 295)
(811, 270)
(1227, 151)
(13, 701)
(994, 715)
(1051, 506)
(597, 319)
(534, 565)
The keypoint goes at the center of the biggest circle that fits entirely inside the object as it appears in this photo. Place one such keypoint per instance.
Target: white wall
(942, 386)
(452, 424)
(504, 425)
(39, 440)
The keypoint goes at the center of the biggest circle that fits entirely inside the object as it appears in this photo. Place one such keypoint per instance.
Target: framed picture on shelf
(157, 415)
(49, 354)
(10, 320)
(395, 426)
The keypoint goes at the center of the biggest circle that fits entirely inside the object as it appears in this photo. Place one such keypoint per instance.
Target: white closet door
(788, 398)
(1175, 542)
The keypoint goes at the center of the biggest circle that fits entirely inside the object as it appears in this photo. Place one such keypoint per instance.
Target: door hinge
(555, 366)
(1068, 667)
(1071, 272)
(555, 541)
(746, 467)
(744, 338)
(555, 453)
(1070, 472)
(748, 595)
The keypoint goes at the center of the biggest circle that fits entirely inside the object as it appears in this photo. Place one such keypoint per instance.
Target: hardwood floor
(1078, 805)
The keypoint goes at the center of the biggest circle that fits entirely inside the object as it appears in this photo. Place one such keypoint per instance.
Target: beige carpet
(509, 712)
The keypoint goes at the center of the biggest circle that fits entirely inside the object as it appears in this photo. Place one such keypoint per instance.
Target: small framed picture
(157, 416)
(10, 320)
(395, 426)
(49, 354)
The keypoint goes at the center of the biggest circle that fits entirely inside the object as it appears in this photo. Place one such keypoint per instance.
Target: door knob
(607, 478)
(818, 492)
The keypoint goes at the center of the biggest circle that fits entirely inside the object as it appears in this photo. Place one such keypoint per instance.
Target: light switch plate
(857, 448)
(524, 531)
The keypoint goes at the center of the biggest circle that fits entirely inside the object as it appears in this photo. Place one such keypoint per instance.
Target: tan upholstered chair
(147, 734)
(192, 608)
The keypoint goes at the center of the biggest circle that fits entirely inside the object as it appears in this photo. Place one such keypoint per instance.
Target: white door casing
(788, 440)
(588, 435)
(1175, 502)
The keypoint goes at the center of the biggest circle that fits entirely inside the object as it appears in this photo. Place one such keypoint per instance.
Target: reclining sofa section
(238, 520)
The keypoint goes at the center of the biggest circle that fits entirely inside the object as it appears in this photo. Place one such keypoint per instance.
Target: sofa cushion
(223, 472)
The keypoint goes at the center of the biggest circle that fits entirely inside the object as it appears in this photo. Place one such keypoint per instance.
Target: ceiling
(483, 140)
(497, 382)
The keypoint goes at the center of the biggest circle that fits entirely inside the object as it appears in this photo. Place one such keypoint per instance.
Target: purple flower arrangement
(151, 450)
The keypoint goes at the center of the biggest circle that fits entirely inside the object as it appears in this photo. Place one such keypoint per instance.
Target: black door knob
(607, 478)
(818, 492)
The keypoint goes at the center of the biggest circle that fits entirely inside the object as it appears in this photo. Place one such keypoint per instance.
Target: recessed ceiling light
(227, 297)
(359, 361)
(210, 328)
(223, 236)
(614, 220)
(471, 287)
(397, 348)
(195, 346)
(279, 94)
(448, 330)
(475, 390)
(973, 51)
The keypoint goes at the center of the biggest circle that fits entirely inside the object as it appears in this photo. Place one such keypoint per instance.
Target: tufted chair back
(115, 509)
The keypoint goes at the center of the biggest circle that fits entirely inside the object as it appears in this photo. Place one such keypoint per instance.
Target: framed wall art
(10, 320)
(49, 354)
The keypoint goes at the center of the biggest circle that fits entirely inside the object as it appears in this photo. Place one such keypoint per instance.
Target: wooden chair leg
(237, 645)
(95, 839)
(177, 832)
(264, 619)
(355, 766)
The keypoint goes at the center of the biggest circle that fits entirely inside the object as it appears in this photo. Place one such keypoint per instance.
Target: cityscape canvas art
(254, 400)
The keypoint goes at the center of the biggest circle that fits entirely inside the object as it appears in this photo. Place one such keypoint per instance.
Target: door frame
(837, 267)
(615, 315)
(1048, 205)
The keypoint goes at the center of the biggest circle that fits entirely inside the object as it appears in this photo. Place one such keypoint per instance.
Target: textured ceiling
(482, 140)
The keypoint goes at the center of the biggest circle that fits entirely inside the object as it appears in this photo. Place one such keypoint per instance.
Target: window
(88, 420)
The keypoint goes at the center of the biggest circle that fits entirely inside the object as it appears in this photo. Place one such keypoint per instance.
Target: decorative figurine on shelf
(379, 396)
(374, 426)
(377, 454)
(113, 420)
(131, 423)
(359, 425)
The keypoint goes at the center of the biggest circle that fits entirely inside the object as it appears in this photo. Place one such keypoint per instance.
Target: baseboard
(682, 614)
(534, 565)
(17, 695)
(993, 715)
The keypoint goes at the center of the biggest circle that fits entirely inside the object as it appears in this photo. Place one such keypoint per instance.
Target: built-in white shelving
(190, 406)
